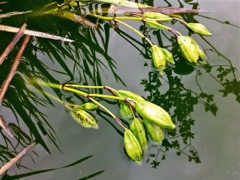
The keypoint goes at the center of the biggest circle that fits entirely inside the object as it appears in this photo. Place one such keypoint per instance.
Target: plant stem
(92, 95)
(125, 3)
(89, 96)
(111, 90)
(14, 160)
(157, 24)
(67, 105)
(83, 86)
(12, 43)
(111, 18)
(181, 21)
(133, 29)
(13, 69)
(109, 112)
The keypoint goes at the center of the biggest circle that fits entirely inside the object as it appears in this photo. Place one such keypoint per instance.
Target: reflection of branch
(222, 22)
(19, 176)
(15, 159)
(229, 61)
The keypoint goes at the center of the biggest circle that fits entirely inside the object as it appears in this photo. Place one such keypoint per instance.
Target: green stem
(83, 86)
(64, 87)
(181, 21)
(56, 86)
(106, 96)
(133, 29)
(111, 90)
(118, 19)
(111, 18)
(109, 112)
(157, 24)
(67, 105)
(125, 3)
(92, 95)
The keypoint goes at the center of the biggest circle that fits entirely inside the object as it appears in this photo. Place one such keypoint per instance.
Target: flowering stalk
(89, 96)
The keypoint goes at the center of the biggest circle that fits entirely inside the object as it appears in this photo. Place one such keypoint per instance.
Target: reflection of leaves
(231, 87)
(53, 169)
(155, 164)
(85, 59)
(181, 102)
(223, 72)
(92, 175)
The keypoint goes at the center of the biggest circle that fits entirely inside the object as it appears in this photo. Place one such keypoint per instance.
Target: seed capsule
(154, 114)
(154, 131)
(199, 29)
(129, 94)
(132, 146)
(153, 24)
(156, 16)
(168, 55)
(202, 55)
(138, 130)
(200, 51)
(84, 118)
(188, 49)
(88, 106)
(125, 111)
(158, 57)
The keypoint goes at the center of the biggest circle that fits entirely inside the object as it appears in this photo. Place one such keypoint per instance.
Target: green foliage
(88, 59)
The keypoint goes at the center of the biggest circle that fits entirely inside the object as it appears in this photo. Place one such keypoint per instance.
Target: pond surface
(202, 100)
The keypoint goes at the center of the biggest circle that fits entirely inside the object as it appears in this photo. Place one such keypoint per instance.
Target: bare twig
(5, 127)
(12, 43)
(6, 15)
(16, 158)
(34, 33)
(16, 62)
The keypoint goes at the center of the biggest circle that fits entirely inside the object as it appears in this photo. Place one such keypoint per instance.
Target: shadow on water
(84, 62)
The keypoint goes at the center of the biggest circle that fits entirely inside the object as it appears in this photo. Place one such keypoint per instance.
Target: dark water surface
(202, 100)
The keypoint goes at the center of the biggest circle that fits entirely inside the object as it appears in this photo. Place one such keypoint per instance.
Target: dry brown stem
(13, 69)
(12, 43)
(5, 127)
(16, 158)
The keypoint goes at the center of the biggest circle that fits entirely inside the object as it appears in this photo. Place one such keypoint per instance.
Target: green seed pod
(125, 111)
(176, 16)
(199, 29)
(84, 118)
(158, 57)
(168, 56)
(129, 94)
(88, 106)
(138, 130)
(154, 131)
(153, 24)
(202, 55)
(188, 49)
(132, 146)
(156, 16)
(154, 114)
(200, 51)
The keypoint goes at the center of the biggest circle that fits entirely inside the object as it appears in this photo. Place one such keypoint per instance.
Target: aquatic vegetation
(154, 17)
(153, 121)
(131, 105)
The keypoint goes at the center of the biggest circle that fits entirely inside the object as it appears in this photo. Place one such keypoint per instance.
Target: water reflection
(181, 100)
(84, 62)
